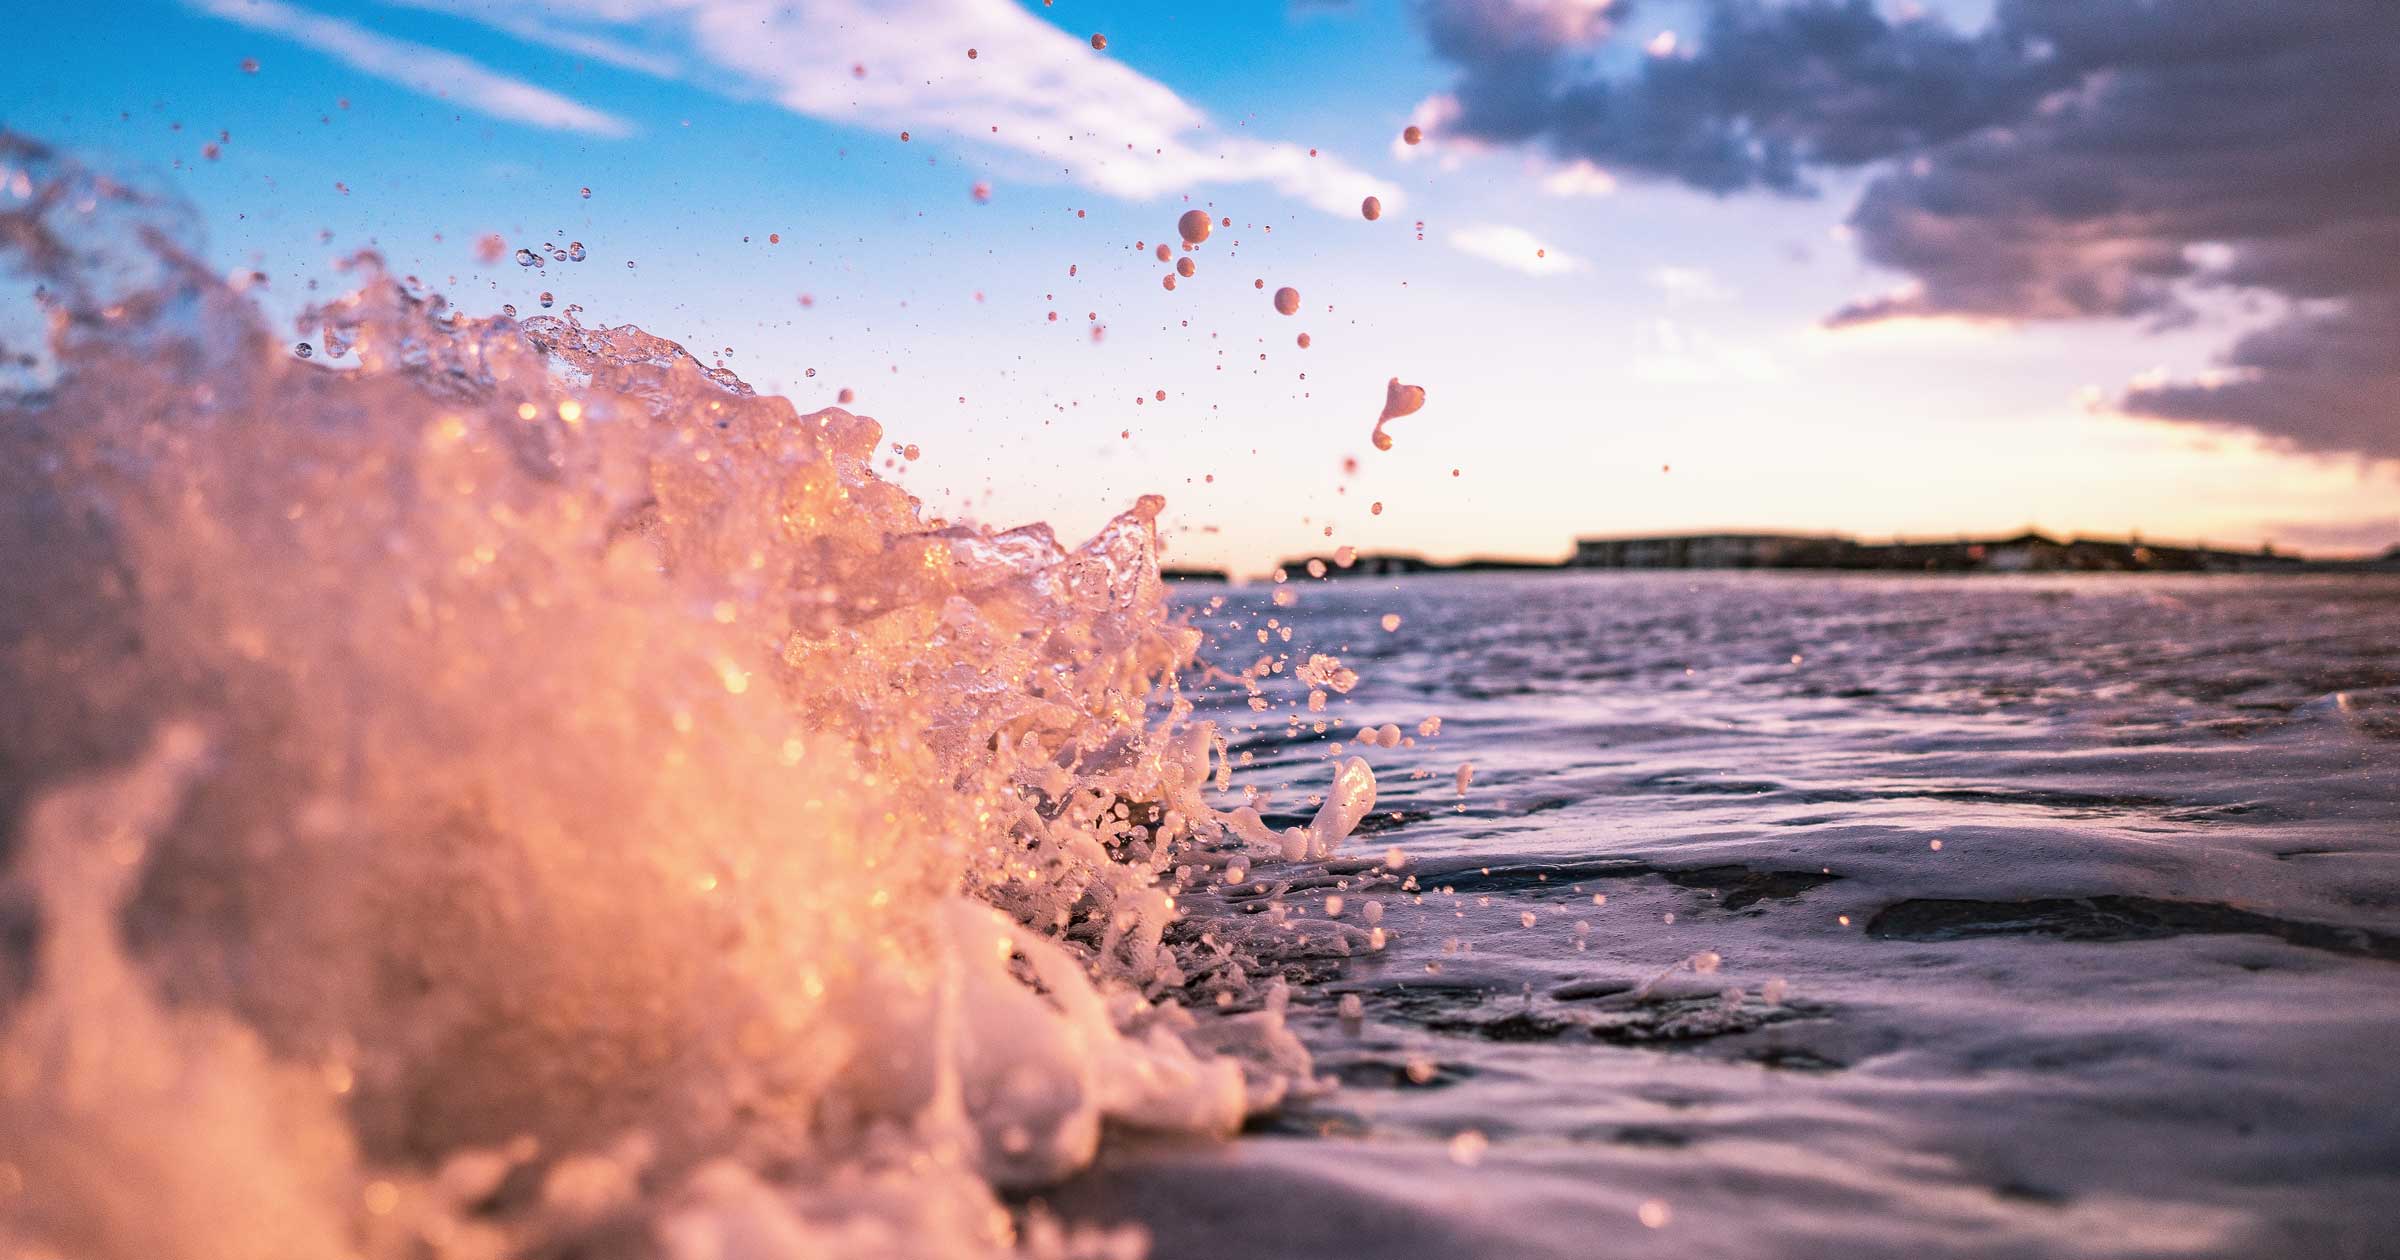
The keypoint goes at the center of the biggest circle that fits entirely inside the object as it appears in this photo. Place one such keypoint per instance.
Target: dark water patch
(1307, 1122)
(1651, 1136)
(1793, 1059)
(2069, 803)
(1517, 1025)
(2025, 1192)
(1422, 1001)
(1586, 990)
(1740, 887)
(2111, 918)
(1487, 691)
(1699, 783)
(1384, 820)
(2217, 813)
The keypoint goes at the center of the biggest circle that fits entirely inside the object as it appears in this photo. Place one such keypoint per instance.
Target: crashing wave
(504, 788)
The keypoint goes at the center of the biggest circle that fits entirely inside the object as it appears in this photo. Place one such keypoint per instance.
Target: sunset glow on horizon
(1618, 332)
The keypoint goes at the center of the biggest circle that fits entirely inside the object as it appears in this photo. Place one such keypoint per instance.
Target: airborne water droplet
(1194, 226)
(574, 251)
(1398, 400)
(527, 258)
(1287, 301)
(1185, 266)
(1413, 134)
(1099, 41)
(305, 350)
(546, 299)
(1372, 208)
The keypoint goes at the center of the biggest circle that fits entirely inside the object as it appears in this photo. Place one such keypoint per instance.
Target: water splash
(1398, 400)
(520, 791)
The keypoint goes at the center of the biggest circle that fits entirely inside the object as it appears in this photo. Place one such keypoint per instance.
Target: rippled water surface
(2049, 917)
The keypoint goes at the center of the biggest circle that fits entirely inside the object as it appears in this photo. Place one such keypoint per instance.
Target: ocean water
(2023, 917)
(474, 788)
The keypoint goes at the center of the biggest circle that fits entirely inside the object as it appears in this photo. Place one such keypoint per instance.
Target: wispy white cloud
(1513, 248)
(1072, 112)
(1688, 284)
(416, 66)
(517, 21)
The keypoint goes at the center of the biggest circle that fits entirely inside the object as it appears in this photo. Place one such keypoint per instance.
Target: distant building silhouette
(2029, 552)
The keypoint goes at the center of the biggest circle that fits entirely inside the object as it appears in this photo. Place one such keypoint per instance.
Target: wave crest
(507, 788)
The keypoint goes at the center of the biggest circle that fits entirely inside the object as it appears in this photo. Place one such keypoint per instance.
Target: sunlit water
(2050, 917)
(485, 788)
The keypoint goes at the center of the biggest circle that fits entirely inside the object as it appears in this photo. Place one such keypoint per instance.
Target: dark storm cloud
(2075, 158)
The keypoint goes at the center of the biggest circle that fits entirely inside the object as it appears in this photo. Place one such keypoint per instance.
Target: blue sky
(1663, 367)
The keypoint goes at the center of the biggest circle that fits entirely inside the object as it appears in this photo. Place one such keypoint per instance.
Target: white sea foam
(502, 789)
